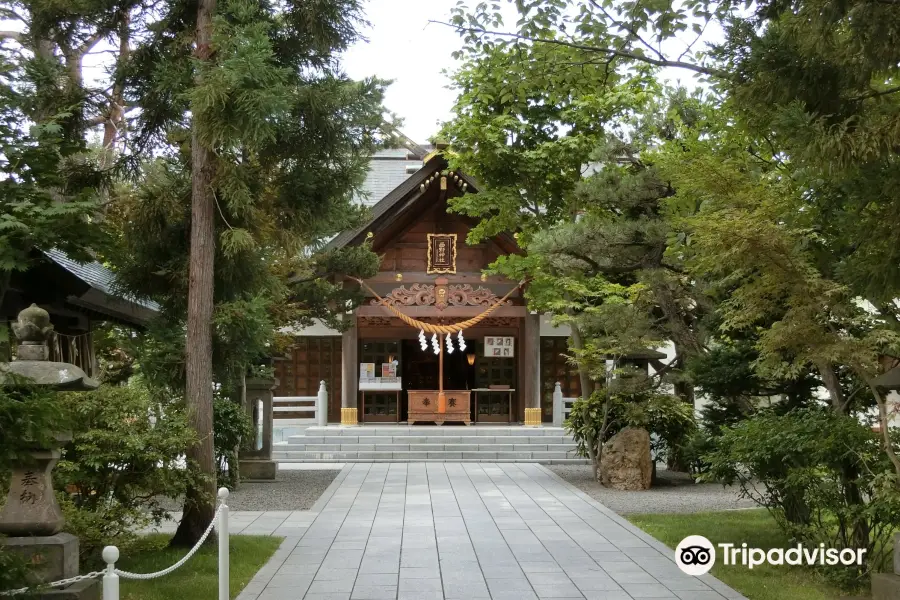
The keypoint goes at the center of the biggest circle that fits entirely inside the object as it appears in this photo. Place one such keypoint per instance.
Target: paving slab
(464, 530)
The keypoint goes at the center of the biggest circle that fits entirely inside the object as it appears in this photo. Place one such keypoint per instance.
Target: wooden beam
(349, 366)
(531, 367)
(451, 312)
(423, 277)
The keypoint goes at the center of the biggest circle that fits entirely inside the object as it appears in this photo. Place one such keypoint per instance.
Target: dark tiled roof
(408, 184)
(97, 276)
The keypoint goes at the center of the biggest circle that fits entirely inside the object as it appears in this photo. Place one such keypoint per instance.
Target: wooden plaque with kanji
(441, 253)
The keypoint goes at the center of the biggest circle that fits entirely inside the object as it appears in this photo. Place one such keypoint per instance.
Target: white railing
(111, 574)
(561, 406)
(318, 406)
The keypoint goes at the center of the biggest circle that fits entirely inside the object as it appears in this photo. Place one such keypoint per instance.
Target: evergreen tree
(261, 144)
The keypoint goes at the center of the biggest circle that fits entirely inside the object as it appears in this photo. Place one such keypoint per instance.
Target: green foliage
(667, 417)
(585, 423)
(595, 420)
(13, 570)
(291, 137)
(124, 459)
(822, 475)
(48, 189)
(231, 427)
(29, 416)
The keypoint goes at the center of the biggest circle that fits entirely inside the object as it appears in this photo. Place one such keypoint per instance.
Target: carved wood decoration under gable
(379, 322)
(382, 322)
(423, 294)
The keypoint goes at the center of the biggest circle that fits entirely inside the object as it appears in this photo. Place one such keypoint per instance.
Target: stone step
(478, 456)
(552, 461)
(432, 430)
(384, 447)
(403, 443)
(341, 455)
(428, 439)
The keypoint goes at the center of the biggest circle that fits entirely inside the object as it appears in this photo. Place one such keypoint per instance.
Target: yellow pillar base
(348, 416)
(533, 417)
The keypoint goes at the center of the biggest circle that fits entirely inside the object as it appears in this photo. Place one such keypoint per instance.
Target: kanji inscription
(441, 253)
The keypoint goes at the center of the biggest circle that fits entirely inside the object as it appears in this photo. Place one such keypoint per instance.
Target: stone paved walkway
(423, 531)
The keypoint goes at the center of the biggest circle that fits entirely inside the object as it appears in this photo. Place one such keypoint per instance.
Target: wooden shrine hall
(501, 368)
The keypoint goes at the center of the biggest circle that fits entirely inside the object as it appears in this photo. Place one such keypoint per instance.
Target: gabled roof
(391, 201)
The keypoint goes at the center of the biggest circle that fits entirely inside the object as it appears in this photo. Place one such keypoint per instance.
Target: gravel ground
(292, 490)
(674, 493)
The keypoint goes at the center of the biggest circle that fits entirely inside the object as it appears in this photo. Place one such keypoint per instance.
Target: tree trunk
(884, 422)
(199, 501)
(587, 384)
(5, 337)
(833, 385)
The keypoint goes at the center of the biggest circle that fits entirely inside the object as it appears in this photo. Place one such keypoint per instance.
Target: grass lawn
(198, 579)
(758, 529)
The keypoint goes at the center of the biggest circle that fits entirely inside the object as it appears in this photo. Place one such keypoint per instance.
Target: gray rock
(625, 464)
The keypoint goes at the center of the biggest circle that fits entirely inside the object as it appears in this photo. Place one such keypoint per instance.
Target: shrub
(13, 570)
(124, 459)
(693, 450)
(592, 422)
(231, 426)
(29, 415)
(822, 475)
(668, 418)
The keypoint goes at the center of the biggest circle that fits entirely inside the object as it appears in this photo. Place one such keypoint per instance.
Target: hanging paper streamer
(449, 340)
(435, 344)
(423, 341)
(462, 341)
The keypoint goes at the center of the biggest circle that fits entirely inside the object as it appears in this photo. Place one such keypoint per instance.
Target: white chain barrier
(180, 563)
(56, 584)
(111, 555)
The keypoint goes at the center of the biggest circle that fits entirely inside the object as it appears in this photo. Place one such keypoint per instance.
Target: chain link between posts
(187, 557)
(126, 574)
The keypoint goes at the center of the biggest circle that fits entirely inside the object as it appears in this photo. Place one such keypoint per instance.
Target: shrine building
(381, 369)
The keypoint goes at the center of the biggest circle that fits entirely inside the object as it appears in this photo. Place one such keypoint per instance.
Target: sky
(403, 46)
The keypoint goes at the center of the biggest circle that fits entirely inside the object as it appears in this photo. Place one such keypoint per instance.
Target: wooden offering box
(423, 406)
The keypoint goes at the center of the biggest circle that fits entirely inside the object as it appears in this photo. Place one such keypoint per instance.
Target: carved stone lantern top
(33, 326)
(33, 330)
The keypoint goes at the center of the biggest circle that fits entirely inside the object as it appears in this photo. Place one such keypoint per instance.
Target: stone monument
(31, 516)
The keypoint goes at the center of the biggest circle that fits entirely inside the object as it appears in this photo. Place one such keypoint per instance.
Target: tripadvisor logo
(696, 555)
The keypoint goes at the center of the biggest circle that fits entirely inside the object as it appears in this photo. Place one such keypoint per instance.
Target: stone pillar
(31, 516)
(257, 463)
(350, 374)
(559, 414)
(530, 378)
(322, 405)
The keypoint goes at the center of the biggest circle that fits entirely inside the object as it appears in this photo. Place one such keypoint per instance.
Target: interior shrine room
(382, 369)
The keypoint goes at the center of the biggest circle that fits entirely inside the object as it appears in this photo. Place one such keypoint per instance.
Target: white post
(322, 406)
(110, 579)
(224, 575)
(558, 407)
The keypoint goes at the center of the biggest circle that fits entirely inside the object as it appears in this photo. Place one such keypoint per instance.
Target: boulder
(626, 464)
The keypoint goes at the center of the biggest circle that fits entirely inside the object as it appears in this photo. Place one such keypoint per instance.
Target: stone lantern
(31, 516)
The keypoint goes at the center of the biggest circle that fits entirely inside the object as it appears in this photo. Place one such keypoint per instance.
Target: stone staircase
(401, 443)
